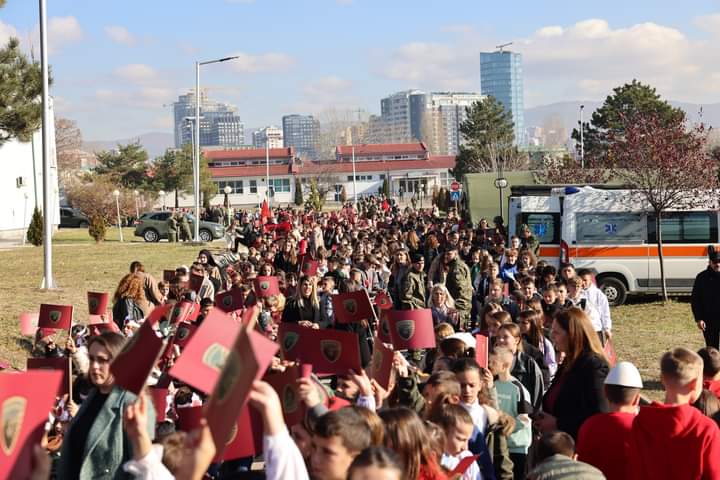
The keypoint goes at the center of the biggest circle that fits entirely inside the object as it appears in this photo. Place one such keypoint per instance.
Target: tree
(343, 195)
(314, 200)
(126, 166)
(208, 187)
(20, 92)
(68, 145)
(173, 171)
(487, 131)
(35, 229)
(665, 164)
(298, 192)
(386, 187)
(625, 103)
(95, 198)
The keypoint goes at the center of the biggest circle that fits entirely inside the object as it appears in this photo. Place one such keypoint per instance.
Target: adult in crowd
(576, 392)
(304, 307)
(129, 302)
(705, 300)
(458, 284)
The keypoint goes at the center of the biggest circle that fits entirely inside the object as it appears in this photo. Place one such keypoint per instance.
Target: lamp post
(500, 184)
(582, 138)
(196, 156)
(354, 177)
(116, 194)
(137, 204)
(267, 170)
(48, 282)
(162, 195)
(228, 191)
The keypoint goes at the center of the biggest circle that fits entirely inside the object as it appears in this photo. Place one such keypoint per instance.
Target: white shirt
(451, 461)
(479, 416)
(599, 300)
(283, 460)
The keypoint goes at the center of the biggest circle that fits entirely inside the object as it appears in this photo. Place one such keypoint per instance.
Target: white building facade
(270, 136)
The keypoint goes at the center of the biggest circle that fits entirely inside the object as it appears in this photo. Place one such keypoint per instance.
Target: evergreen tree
(386, 187)
(35, 229)
(343, 195)
(298, 192)
(126, 166)
(173, 171)
(20, 89)
(98, 228)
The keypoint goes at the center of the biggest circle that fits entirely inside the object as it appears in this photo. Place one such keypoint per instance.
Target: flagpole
(267, 168)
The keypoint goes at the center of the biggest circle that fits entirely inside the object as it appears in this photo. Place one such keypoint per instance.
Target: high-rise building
(501, 76)
(220, 125)
(270, 136)
(303, 133)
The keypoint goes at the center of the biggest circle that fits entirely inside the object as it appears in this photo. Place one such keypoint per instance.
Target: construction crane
(500, 47)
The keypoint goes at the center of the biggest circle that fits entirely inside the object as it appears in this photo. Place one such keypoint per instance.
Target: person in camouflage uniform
(185, 227)
(412, 290)
(458, 283)
(172, 225)
(527, 240)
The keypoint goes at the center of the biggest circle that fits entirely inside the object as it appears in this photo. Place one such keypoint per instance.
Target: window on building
(236, 185)
(280, 185)
(253, 186)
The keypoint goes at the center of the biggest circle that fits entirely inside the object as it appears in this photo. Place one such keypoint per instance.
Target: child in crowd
(604, 438)
(674, 440)
(514, 400)
(711, 369)
(458, 426)
(555, 457)
(338, 437)
(375, 463)
(529, 322)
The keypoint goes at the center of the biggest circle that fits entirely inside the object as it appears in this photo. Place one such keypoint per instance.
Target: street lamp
(501, 183)
(228, 191)
(137, 204)
(116, 194)
(162, 195)
(196, 157)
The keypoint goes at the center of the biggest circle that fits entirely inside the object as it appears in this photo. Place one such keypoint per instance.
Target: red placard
(229, 301)
(383, 331)
(28, 323)
(184, 311)
(382, 364)
(246, 437)
(60, 364)
(55, 316)
(196, 282)
(247, 361)
(352, 307)
(204, 355)
(189, 418)
(98, 302)
(482, 349)
(309, 267)
(98, 325)
(329, 351)
(25, 401)
(266, 287)
(285, 384)
(132, 366)
(184, 333)
(159, 399)
(160, 313)
(383, 300)
(411, 329)
(462, 467)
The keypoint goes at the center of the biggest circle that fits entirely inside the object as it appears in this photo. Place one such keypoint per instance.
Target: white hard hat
(624, 374)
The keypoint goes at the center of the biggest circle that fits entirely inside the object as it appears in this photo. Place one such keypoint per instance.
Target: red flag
(266, 286)
(28, 323)
(382, 364)
(98, 302)
(55, 316)
(383, 300)
(329, 351)
(352, 307)
(285, 384)
(411, 329)
(25, 400)
(204, 356)
(265, 210)
(229, 301)
(247, 361)
(132, 366)
(60, 364)
(482, 343)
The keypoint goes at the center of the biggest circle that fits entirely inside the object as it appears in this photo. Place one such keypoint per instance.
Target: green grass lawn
(644, 329)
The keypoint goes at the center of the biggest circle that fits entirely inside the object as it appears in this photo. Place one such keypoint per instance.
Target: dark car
(73, 218)
(152, 226)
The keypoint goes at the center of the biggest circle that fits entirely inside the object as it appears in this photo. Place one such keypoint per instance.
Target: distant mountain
(155, 143)
(567, 114)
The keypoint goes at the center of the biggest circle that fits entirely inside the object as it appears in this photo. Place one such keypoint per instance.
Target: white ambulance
(612, 231)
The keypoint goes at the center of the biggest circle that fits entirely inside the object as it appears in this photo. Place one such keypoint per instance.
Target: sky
(118, 65)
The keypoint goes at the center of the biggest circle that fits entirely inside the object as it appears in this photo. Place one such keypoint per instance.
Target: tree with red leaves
(667, 165)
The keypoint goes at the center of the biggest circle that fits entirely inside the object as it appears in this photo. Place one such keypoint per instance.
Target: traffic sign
(455, 196)
(455, 186)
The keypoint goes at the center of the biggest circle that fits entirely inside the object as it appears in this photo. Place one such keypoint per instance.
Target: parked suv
(152, 226)
(72, 217)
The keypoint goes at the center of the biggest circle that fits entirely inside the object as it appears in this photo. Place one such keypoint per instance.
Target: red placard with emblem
(329, 351)
(59, 364)
(132, 366)
(229, 301)
(204, 356)
(309, 267)
(266, 286)
(184, 311)
(184, 333)
(482, 349)
(245, 438)
(411, 329)
(98, 302)
(55, 316)
(249, 358)
(352, 307)
(383, 300)
(382, 364)
(285, 385)
(159, 314)
(25, 401)
(383, 331)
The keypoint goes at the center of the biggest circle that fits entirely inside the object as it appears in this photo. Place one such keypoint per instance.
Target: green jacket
(106, 447)
(459, 285)
(412, 290)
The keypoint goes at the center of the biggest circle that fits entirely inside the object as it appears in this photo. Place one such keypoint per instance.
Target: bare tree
(340, 127)
(68, 145)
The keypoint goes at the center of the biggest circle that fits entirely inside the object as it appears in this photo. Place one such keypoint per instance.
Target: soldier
(458, 283)
(527, 240)
(172, 228)
(185, 227)
(412, 290)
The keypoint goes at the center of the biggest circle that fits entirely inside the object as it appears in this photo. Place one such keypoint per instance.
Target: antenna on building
(500, 47)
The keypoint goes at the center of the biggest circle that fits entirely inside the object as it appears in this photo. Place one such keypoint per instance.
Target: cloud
(330, 92)
(344, 2)
(150, 98)
(63, 31)
(6, 31)
(327, 85)
(121, 35)
(263, 63)
(709, 23)
(136, 72)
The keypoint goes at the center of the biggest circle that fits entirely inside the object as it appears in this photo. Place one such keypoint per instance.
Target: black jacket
(580, 393)
(294, 312)
(527, 371)
(705, 295)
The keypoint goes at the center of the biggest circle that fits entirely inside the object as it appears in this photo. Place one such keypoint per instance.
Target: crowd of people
(546, 404)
